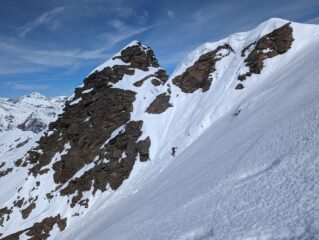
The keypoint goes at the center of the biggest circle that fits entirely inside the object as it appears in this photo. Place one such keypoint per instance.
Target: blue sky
(50, 46)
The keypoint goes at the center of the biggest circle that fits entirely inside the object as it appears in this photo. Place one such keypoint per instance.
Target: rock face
(93, 144)
(41, 230)
(160, 104)
(86, 127)
(138, 56)
(275, 43)
(158, 78)
(121, 153)
(199, 75)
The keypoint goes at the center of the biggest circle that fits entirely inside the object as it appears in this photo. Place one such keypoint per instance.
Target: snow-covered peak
(117, 59)
(34, 95)
(109, 63)
(34, 107)
(133, 43)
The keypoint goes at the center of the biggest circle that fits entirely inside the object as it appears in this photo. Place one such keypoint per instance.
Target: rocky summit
(137, 154)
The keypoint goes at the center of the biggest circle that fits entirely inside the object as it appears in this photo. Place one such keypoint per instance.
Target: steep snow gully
(242, 115)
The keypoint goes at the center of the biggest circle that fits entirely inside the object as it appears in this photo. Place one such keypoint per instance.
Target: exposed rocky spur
(93, 144)
(275, 43)
(199, 76)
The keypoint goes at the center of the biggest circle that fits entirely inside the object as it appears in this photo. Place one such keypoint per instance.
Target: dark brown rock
(107, 109)
(139, 83)
(121, 152)
(18, 203)
(84, 134)
(18, 162)
(242, 77)
(5, 172)
(23, 143)
(156, 82)
(160, 104)
(275, 43)
(197, 76)
(40, 230)
(3, 212)
(139, 57)
(239, 86)
(26, 212)
(159, 77)
(143, 148)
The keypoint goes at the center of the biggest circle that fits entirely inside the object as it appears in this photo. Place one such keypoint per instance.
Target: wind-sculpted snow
(138, 155)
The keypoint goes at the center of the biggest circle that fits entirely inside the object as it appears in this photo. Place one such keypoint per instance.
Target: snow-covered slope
(241, 116)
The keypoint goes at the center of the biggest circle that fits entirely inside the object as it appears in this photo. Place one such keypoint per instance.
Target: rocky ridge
(94, 131)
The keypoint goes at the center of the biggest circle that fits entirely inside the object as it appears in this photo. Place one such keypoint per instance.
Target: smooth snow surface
(250, 176)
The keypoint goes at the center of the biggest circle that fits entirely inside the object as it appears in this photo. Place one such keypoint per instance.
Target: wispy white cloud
(122, 32)
(45, 18)
(17, 58)
(142, 18)
(24, 86)
(29, 87)
(123, 11)
(170, 14)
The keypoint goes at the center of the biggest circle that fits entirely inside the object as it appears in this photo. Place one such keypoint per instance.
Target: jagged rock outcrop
(275, 43)
(138, 56)
(160, 104)
(94, 144)
(158, 78)
(40, 230)
(86, 124)
(114, 165)
(199, 75)
(4, 215)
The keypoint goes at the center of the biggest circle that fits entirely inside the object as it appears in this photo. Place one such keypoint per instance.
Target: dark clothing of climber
(173, 151)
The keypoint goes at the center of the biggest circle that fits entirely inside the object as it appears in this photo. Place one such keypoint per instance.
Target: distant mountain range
(31, 112)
